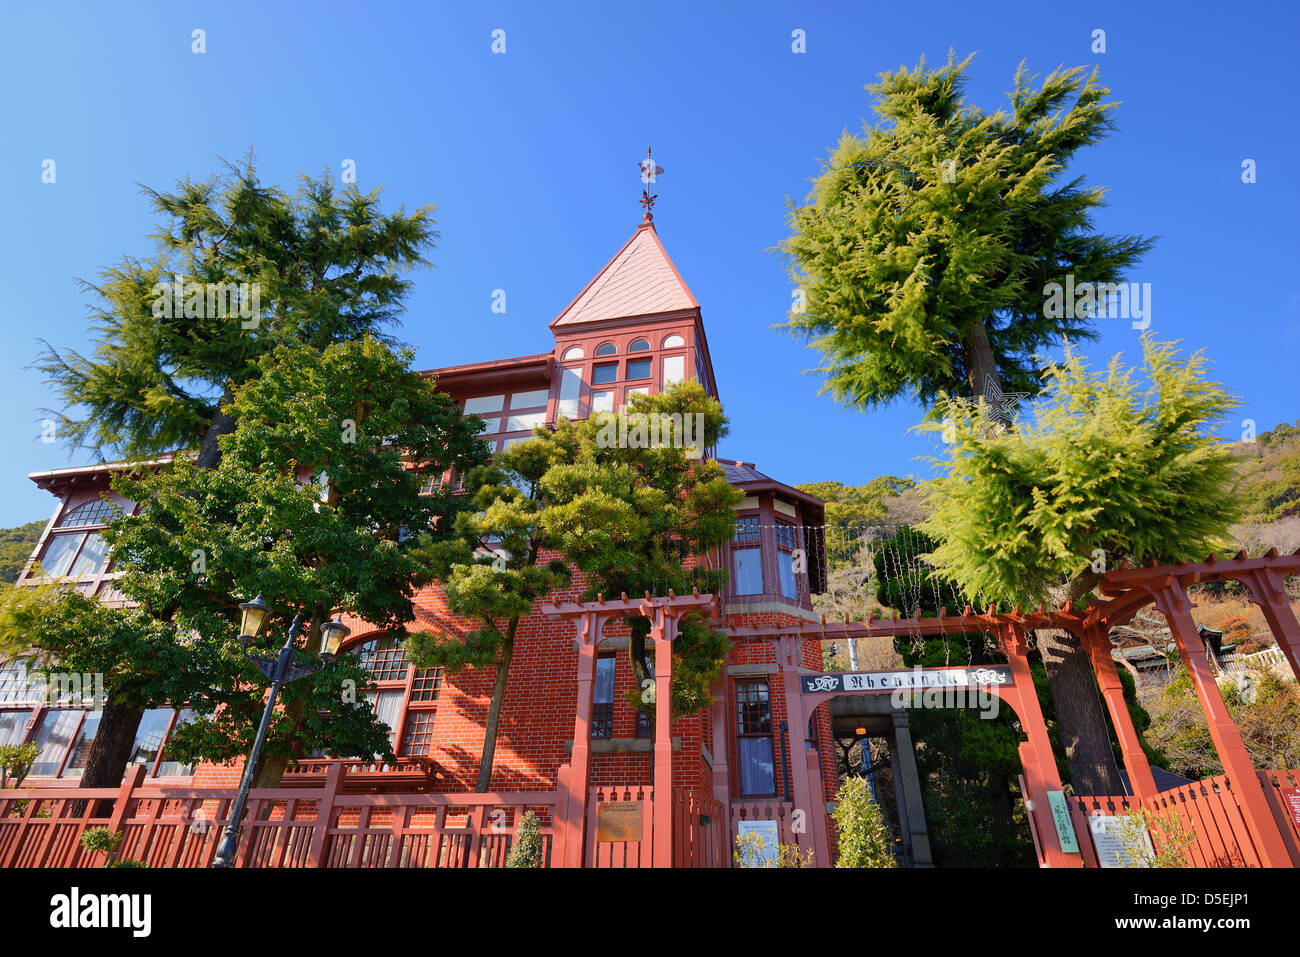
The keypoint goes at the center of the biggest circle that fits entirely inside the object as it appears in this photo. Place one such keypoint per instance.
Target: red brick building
(635, 327)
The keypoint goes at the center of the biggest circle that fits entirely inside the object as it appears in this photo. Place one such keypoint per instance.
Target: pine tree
(320, 266)
(923, 251)
(923, 255)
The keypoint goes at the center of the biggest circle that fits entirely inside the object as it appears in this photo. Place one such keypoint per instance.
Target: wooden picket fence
(1207, 810)
(284, 827)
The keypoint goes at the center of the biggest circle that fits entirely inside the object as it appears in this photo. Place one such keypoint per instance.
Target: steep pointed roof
(639, 281)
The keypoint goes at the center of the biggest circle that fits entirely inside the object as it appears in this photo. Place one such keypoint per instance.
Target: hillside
(16, 546)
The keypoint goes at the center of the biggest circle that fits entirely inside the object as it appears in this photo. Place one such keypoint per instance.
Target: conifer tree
(240, 269)
(923, 255)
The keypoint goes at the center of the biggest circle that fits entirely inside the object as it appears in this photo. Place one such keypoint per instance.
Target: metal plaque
(619, 821)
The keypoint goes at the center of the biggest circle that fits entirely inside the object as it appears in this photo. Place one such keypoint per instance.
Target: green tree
(528, 849)
(322, 263)
(316, 503)
(1110, 471)
(144, 662)
(864, 837)
(925, 245)
(16, 546)
(631, 515)
(490, 572)
(861, 505)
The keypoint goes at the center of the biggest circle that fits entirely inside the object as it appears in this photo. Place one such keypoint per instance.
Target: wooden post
(575, 802)
(1174, 603)
(1266, 590)
(1095, 639)
(663, 629)
(804, 793)
(324, 815)
(721, 748)
(1036, 754)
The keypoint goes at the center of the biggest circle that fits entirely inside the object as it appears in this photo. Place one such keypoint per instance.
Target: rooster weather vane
(648, 173)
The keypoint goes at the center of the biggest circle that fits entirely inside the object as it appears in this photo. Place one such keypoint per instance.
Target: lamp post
(281, 670)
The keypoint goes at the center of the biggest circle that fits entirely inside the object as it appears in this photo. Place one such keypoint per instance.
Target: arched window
(639, 345)
(673, 341)
(97, 512)
(606, 349)
(573, 352)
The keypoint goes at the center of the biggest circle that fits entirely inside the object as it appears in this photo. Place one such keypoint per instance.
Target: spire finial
(648, 173)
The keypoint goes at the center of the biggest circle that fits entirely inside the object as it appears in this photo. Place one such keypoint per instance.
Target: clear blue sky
(530, 157)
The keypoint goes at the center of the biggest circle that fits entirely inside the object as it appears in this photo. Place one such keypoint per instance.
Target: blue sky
(531, 157)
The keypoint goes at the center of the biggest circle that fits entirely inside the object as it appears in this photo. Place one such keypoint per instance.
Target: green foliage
(630, 518)
(941, 217)
(16, 761)
(528, 848)
(962, 833)
(1107, 470)
(315, 505)
(128, 862)
(325, 261)
(864, 837)
(1167, 832)
(16, 546)
(849, 505)
(100, 840)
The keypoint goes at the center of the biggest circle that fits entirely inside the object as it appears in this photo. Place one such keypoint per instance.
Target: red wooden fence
(284, 827)
(1207, 809)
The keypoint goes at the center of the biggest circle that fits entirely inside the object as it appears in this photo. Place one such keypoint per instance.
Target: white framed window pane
(747, 571)
(526, 422)
(149, 736)
(573, 352)
(81, 747)
(528, 400)
(602, 402)
(93, 555)
(605, 680)
(785, 564)
(639, 390)
(12, 725)
(485, 403)
(570, 390)
(756, 770)
(53, 737)
(674, 369)
(13, 681)
(59, 553)
(672, 342)
(168, 768)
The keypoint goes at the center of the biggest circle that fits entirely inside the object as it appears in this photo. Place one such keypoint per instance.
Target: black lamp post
(280, 670)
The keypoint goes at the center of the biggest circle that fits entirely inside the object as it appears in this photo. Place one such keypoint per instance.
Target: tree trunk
(222, 424)
(982, 372)
(111, 749)
(999, 805)
(270, 767)
(1079, 715)
(494, 716)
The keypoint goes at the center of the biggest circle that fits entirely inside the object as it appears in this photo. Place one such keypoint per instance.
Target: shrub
(864, 838)
(101, 840)
(528, 846)
(15, 761)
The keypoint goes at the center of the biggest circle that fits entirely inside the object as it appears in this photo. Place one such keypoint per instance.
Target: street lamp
(281, 670)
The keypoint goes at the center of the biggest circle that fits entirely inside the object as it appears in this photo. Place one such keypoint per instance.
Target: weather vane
(648, 173)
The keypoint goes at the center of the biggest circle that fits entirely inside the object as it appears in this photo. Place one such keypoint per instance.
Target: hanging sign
(1061, 818)
(917, 678)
